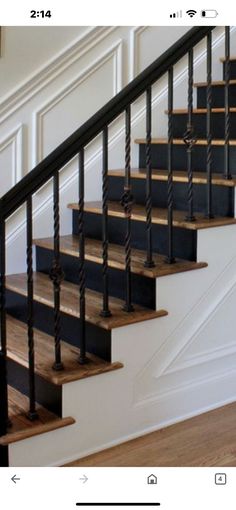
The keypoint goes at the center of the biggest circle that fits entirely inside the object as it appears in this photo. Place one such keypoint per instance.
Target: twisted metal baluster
(170, 258)
(4, 421)
(82, 356)
(209, 135)
(149, 260)
(227, 173)
(189, 137)
(57, 275)
(105, 312)
(127, 202)
(32, 414)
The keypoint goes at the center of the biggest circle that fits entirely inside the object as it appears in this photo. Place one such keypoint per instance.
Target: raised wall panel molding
(134, 50)
(9, 105)
(171, 358)
(170, 394)
(14, 139)
(113, 53)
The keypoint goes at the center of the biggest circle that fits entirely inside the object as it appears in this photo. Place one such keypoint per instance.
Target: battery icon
(209, 13)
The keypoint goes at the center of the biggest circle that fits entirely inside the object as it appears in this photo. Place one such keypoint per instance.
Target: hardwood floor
(207, 440)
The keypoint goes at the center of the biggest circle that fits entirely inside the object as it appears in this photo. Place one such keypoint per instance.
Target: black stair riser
(4, 457)
(199, 125)
(159, 157)
(232, 70)
(218, 96)
(184, 241)
(47, 394)
(98, 339)
(144, 289)
(222, 196)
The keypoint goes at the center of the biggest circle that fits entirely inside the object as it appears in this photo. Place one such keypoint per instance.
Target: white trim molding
(134, 51)
(49, 72)
(15, 140)
(113, 53)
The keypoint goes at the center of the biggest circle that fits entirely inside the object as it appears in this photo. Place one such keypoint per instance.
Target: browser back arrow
(14, 478)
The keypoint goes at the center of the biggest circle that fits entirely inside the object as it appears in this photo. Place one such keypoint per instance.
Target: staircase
(62, 321)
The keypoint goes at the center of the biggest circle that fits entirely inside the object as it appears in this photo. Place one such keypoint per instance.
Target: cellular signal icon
(177, 14)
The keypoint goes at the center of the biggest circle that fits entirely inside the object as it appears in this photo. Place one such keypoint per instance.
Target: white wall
(27, 49)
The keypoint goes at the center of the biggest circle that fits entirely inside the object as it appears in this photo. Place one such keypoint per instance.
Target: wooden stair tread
(43, 293)
(218, 83)
(178, 176)
(17, 350)
(159, 216)
(181, 111)
(69, 245)
(180, 141)
(231, 59)
(22, 427)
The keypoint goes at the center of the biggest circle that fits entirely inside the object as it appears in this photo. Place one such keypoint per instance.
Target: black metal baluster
(82, 356)
(227, 173)
(56, 274)
(189, 137)
(105, 312)
(170, 258)
(4, 422)
(208, 126)
(149, 260)
(32, 414)
(127, 202)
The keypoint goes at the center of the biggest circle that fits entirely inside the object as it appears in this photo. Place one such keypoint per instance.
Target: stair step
(231, 59)
(159, 216)
(218, 91)
(179, 159)
(69, 245)
(218, 83)
(180, 120)
(179, 141)
(22, 427)
(184, 111)
(43, 293)
(178, 176)
(17, 351)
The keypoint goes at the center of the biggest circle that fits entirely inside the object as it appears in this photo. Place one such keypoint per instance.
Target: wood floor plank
(69, 245)
(178, 176)
(159, 216)
(22, 427)
(207, 440)
(17, 350)
(43, 293)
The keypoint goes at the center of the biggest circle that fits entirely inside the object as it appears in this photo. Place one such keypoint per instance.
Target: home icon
(152, 479)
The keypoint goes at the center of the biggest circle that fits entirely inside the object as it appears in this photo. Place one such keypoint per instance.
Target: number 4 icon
(220, 479)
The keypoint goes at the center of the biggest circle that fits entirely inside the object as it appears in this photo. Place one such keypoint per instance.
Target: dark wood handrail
(17, 195)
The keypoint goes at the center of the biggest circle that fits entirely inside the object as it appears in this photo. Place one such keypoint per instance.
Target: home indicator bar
(118, 504)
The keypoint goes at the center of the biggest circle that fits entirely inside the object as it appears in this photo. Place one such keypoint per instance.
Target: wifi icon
(191, 12)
